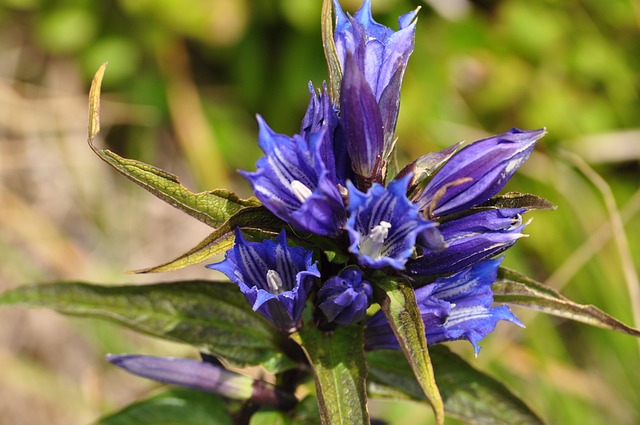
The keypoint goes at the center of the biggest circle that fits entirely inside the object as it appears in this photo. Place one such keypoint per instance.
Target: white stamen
(371, 244)
(275, 282)
(300, 191)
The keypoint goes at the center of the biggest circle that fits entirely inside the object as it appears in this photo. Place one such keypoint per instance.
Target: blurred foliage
(184, 82)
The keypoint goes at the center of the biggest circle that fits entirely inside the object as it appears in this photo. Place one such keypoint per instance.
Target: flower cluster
(430, 224)
(331, 181)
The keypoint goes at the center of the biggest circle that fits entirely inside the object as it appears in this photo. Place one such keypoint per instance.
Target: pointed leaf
(398, 302)
(527, 201)
(517, 289)
(468, 394)
(339, 368)
(177, 406)
(212, 207)
(330, 52)
(253, 220)
(212, 316)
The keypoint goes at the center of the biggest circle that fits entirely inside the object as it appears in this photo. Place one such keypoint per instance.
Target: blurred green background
(184, 82)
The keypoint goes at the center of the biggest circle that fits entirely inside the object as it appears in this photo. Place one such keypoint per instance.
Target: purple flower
(452, 308)
(186, 373)
(361, 124)
(344, 299)
(274, 277)
(373, 59)
(471, 239)
(383, 225)
(204, 377)
(322, 117)
(477, 172)
(292, 180)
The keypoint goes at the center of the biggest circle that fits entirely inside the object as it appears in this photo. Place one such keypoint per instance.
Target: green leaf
(212, 316)
(306, 412)
(397, 301)
(339, 368)
(174, 407)
(468, 394)
(514, 288)
(253, 220)
(527, 201)
(270, 417)
(212, 207)
(330, 52)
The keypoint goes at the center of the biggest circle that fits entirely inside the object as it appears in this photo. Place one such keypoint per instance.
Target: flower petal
(274, 277)
(470, 239)
(482, 168)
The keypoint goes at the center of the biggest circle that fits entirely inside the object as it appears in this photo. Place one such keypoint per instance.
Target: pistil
(275, 282)
(371, 244)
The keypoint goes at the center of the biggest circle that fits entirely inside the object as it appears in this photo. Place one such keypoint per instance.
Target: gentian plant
(344, 273)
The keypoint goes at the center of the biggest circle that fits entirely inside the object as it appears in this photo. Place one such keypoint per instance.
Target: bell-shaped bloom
(362, 128)
(383, 225)
(477, 172)
(322, 117)
(274, 277)
(380, 54)
(292, 181)
(203, 376)
(471, 239)
(344, 299)
(452, 308)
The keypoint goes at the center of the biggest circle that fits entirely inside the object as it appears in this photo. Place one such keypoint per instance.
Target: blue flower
(471, 239)
(452, 308)
(361, 127)
(274, 277)
(344, 299)
(373, 59)
(477, 172)
(186, 373)
(322, 117)
(203, 376)
(292, 181)
(383, 225)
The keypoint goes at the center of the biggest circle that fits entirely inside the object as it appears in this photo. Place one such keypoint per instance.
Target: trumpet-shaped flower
(292, 181)
(477, 172)
(452, 308)
(471, 239)
(344, 298)
(203, 376)
(383, 225)
(274, 277)
(362, 128)
(322, 117)
(373, 58)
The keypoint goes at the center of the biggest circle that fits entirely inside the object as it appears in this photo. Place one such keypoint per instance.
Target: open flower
(344, 298)
(383, 225)
(452, 308)
(373, 59)
(292, 181)
(477, 172)
(274, 277)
